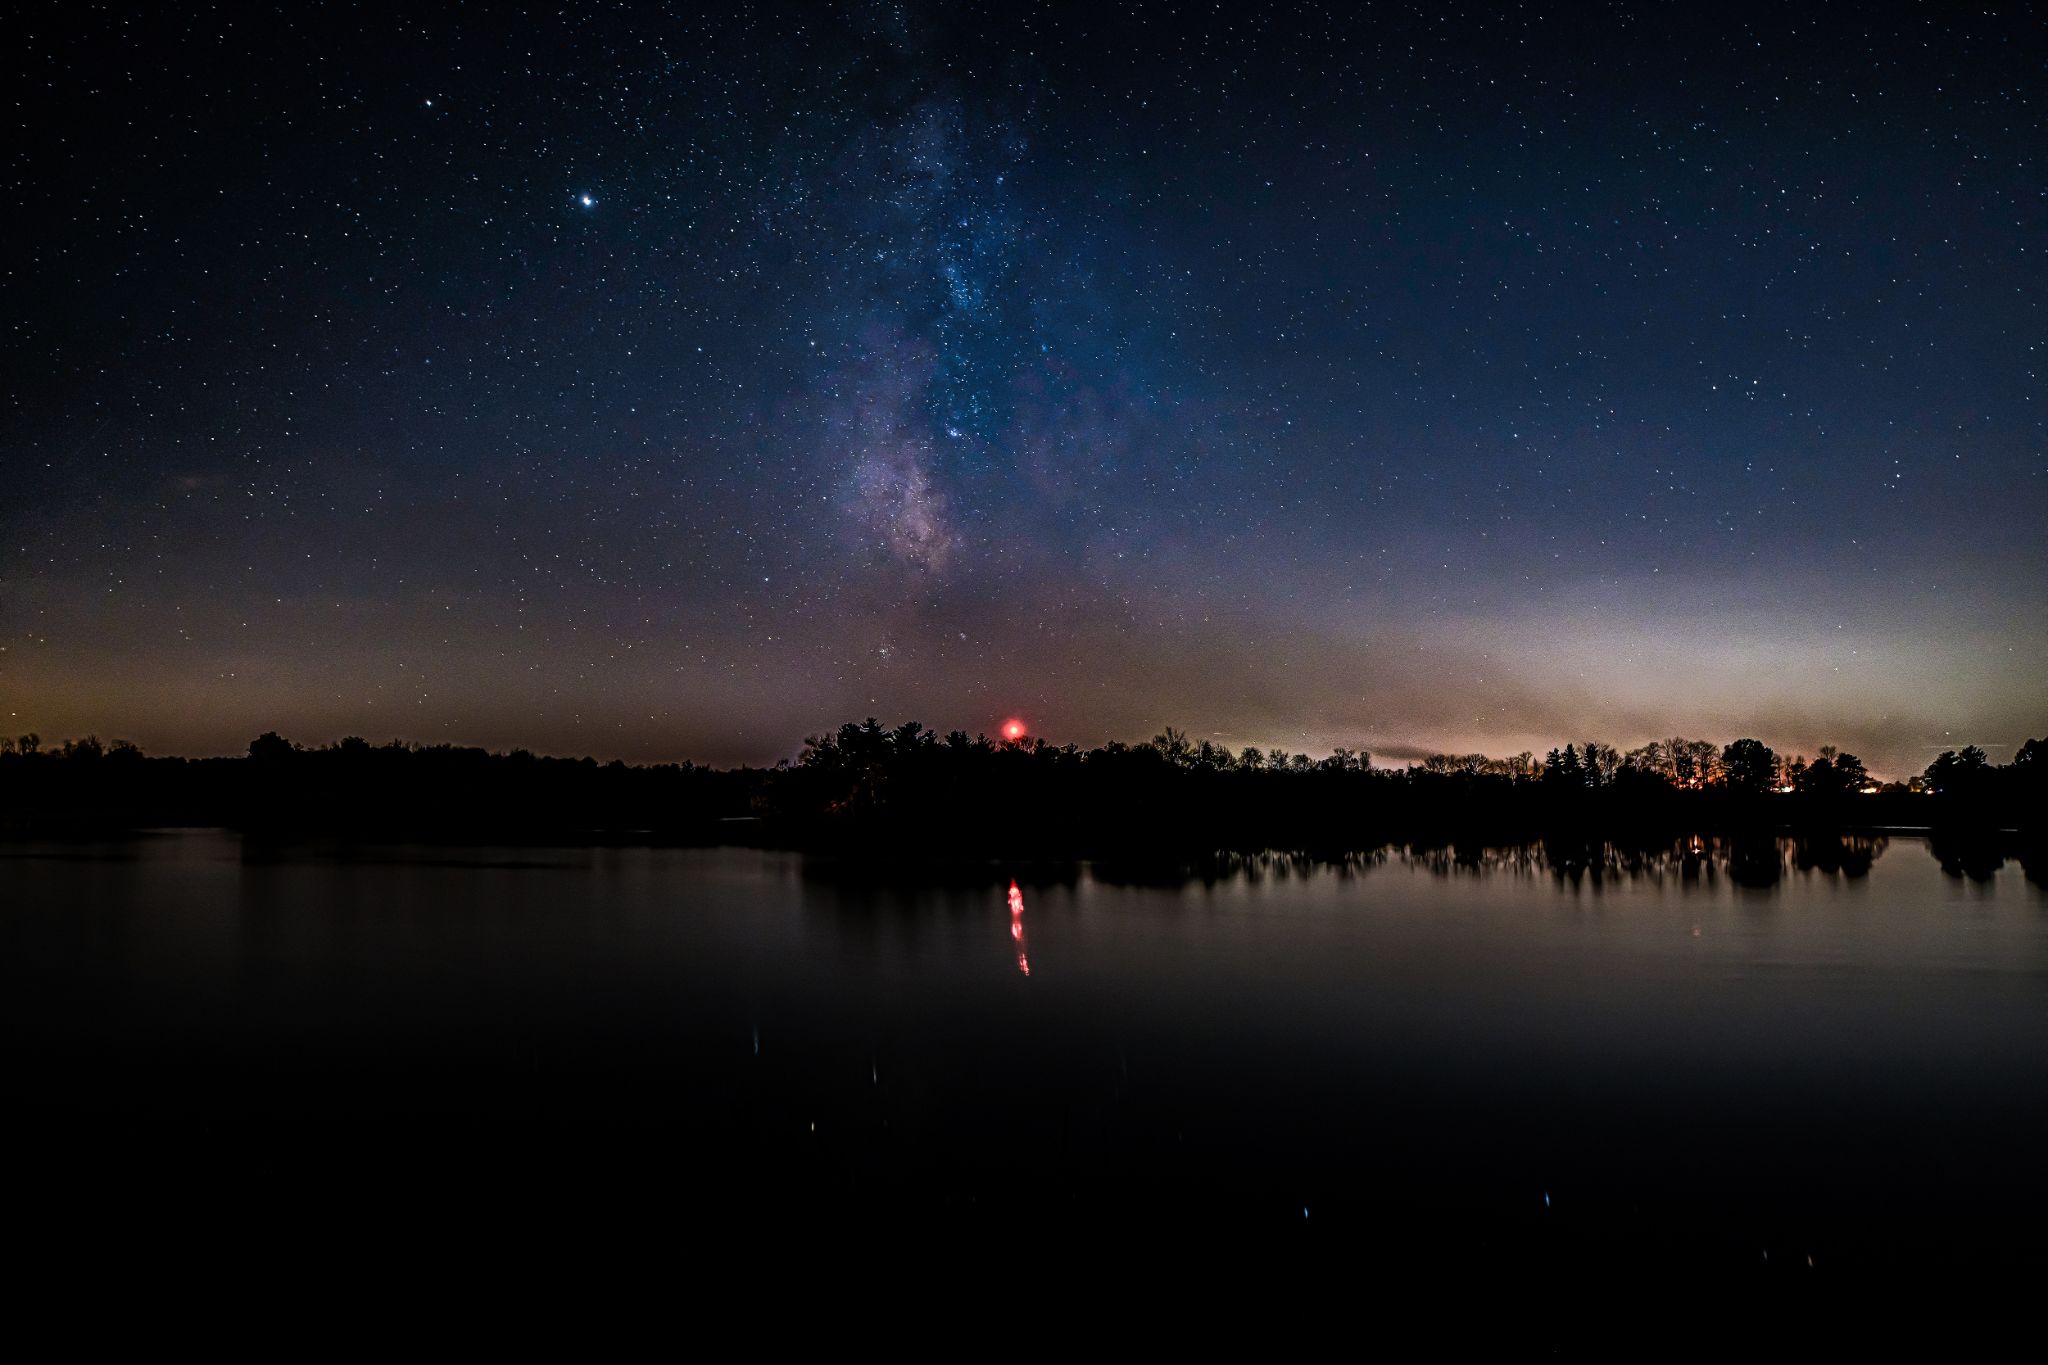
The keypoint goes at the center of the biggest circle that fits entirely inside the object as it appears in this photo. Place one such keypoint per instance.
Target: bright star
(587, 201)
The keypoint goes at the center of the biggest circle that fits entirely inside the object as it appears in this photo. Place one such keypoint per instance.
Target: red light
(1017, 926)
(1013, 730)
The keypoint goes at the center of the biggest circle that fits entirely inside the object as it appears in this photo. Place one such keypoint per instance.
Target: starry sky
(675, 383)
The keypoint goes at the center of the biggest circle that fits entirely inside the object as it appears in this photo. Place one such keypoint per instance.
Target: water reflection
(1754, 861)
(1977, 857)
(1275, 865)
(1622, 1023)
(1017, 926)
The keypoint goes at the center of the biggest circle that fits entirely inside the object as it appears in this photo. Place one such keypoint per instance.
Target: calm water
(1849, 1060)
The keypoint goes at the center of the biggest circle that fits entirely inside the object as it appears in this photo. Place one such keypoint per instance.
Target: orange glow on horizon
(1013, 729)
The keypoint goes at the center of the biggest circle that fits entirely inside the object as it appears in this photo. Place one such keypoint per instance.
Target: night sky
(665, 385)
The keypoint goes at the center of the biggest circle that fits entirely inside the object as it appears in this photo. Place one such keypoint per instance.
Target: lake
(1785, 1053)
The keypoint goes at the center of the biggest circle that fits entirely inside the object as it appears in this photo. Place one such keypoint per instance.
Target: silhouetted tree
(270, 747)
(1652, 758)
(1678, 754)
(863, 787)
(1750, 766)
(1173, 746)
(1818, 778)
(1563, 769)
(1833, 773)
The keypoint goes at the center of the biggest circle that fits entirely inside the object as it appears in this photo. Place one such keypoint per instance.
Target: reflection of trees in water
(2034, 861)
(1274, 865)
(1847, 855)
(1746, 860)
(1454, 859)
(1581, 862)
(1976, 856)
(1757, 860)
(1757, 863)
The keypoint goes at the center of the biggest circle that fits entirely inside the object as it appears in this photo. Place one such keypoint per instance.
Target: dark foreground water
(1835, 1051)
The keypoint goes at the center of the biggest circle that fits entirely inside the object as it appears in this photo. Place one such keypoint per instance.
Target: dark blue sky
(678, 384)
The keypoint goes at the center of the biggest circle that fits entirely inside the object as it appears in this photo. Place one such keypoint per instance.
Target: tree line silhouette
(907, 791)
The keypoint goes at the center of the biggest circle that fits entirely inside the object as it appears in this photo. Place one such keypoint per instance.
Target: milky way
(675, 386)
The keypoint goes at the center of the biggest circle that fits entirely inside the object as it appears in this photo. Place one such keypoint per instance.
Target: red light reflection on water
(1017, 926)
